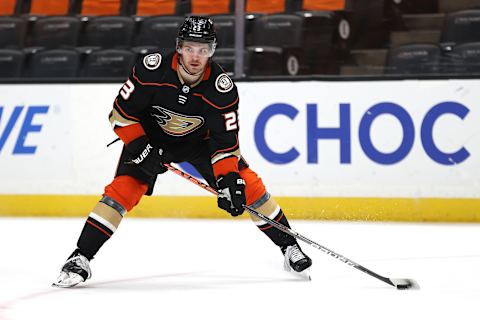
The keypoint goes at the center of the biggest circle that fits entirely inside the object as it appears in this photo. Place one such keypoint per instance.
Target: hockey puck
(403, 286)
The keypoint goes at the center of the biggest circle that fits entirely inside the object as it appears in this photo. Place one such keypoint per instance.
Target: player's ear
(178, 46)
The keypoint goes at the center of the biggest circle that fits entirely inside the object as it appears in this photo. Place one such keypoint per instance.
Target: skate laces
(77, 264)
(294, 253)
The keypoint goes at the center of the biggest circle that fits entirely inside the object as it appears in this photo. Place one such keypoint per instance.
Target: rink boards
(396, 150)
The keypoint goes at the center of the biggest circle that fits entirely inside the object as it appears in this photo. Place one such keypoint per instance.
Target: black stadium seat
(462, 27)
(108, 32)
(225, 29)
(12, 32)
(465, 58)
(55, 32)
(11, 62)
(277, 30)
(141, 51)
(413, 59)
(109, 63)
(55, 63)
(324, 34)
(279, 37)
(367, 23)
(416, 6)
(265, 61)
(225, 57)
(159, 31)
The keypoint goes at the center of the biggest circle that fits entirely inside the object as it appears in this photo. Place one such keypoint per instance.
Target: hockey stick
(400, 284)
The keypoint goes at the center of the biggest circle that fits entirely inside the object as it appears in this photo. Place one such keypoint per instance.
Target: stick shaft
(285, 229)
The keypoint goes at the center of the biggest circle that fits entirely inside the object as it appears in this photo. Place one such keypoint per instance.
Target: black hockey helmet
(197, 29)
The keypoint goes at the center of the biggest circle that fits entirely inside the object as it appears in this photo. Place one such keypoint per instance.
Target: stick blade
(405, 284)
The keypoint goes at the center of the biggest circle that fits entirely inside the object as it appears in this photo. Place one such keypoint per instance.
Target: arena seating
(413, 59)
(265, 7)
(323, 37)
(266, 42)
(282, 37)
(55, 63)
(366, 23)
(108, 32)
(462, 27)
(12, 32)
(266, 30)
(225, 28)
(211, 7)
(11, 62)
(108, 63)
(265, 60)
(449, 6)
(102, 7)
(159, 32)
(55, 32)
(226, 58)
(48, 7)
(416, 6)
(156, 7)
(324, 5)
(464, 58)
(8, 7)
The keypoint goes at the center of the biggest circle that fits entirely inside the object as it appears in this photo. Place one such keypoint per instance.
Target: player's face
(195, 56)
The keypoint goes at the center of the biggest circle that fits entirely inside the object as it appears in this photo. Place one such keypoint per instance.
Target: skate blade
(67, 280)
(304, 275)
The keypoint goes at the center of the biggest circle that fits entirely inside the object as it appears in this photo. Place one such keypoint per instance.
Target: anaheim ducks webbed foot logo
(176, 124)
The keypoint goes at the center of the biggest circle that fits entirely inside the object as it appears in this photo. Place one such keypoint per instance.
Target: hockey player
(176, 108)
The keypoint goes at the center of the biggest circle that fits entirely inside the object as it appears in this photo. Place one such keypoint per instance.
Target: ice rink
(227, 269)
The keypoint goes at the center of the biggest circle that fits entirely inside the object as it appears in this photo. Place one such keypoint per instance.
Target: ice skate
(75, 270)
(297, 261)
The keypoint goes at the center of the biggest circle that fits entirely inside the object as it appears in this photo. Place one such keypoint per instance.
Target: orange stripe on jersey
(153, 83)
(214, 105)
(129, 133)
(124, 114)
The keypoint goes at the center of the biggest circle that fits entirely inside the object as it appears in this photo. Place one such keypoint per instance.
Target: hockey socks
(100, 226)
(280, 238)
(95, 233)
(267, 206)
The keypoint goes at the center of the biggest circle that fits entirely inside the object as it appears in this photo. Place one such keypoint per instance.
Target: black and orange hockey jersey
(177, 117)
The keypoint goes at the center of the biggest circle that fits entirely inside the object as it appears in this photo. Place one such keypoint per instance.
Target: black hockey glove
(231, 193)
(148, 158)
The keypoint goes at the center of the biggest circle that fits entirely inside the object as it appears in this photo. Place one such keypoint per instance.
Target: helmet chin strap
(187, 76)
(186, 70)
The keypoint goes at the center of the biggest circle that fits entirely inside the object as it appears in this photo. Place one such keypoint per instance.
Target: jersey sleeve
(224, 142)
(132, 99)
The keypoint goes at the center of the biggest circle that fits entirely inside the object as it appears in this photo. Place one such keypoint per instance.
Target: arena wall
(377, 150)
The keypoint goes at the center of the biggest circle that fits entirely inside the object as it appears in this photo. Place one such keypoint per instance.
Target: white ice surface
(227, 269)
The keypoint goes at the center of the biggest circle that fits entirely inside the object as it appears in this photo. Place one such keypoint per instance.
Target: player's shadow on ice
(184, 281)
